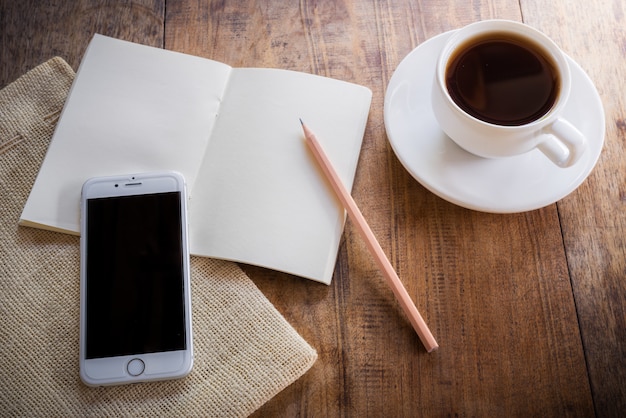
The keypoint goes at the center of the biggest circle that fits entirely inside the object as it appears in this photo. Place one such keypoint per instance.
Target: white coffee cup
(473, 128)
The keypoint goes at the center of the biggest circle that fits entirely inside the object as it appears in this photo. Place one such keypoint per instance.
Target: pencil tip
(301, 123)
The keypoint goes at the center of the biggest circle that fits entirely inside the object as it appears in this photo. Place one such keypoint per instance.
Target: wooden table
(529, 308)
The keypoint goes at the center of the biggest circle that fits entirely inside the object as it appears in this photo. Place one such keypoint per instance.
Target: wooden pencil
(372, 244)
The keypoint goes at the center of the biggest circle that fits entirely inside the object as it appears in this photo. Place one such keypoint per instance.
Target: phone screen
(134, 275)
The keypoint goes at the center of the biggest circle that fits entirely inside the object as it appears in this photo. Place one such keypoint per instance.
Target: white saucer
(515, 184)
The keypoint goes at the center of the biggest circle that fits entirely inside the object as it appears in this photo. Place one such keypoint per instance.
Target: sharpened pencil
(372, 244)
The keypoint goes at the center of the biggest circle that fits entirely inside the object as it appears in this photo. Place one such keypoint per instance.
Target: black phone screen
(135, 301)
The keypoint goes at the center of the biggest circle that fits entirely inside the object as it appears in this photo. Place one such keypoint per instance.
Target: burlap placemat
(245, 351)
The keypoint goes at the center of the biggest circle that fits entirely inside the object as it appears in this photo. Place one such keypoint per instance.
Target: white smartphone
(135, 302)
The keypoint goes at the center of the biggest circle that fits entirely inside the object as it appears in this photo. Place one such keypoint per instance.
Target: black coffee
(502, 79)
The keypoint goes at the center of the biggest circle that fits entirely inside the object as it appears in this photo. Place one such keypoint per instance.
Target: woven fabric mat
(245, 351)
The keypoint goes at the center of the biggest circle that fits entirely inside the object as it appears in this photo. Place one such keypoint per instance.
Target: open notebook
(256, 193)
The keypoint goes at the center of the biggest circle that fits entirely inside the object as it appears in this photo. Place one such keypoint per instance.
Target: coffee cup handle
(562, 143)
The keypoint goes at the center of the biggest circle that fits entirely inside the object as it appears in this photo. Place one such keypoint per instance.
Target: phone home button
(135, 367)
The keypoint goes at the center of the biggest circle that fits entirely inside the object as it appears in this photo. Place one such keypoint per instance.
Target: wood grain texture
(593, 218)
(33, 31)
(528, 308)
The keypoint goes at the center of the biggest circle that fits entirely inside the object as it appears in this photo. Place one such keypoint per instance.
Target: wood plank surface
(593, 219)
(495, 289)
(33, 31)
(528, 308)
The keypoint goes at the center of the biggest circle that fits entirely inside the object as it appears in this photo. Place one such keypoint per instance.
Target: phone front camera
(116, 185)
